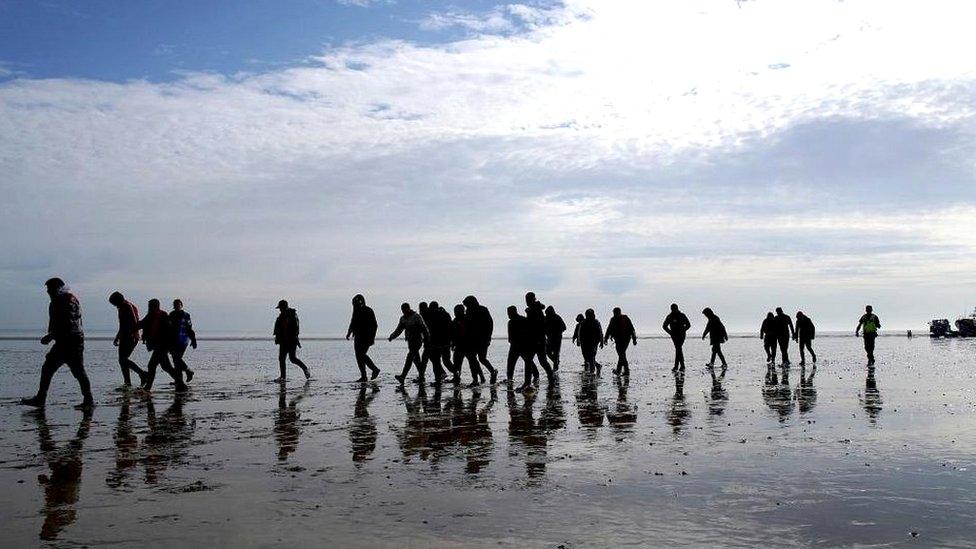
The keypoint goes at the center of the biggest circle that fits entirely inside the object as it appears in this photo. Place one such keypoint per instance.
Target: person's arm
(606, 336)
(190, 332)
(708, 328)
(762, 331)
(351, 322)
(633, 331)
(665, 325)
(399, 329)
(576, 333)
(792, 328)
(877, 321)
(298, 341)
(686, 323)
(857, 330)
(424, 331)
(599, 330)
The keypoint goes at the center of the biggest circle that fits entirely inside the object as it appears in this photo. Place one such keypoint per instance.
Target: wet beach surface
(826, 457)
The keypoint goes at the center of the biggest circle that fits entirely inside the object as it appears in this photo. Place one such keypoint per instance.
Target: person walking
(183, 337)
(590, 337)
(784, 332)
(461, 343)
(868, 325)
(804, 335)
(127, 337)
(622, 331)
(576, 331)
(286, 332)
(481, 327)
(555, 328)
(362, 328)
(676, 325)
(767, 332)
(520, 346)
(415, 331)
(717, 334)
(157, 335)
(535, 317)
(439, 349)
(64, 328)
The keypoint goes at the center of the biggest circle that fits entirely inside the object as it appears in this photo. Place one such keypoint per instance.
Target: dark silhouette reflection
(286, 415)
(719, 397)
(63, 485)
(623, 415)
(362, 428)
(169, 438)
(415, 438)
(806, 393)
(777, 394)
(126, 445)
(526, 434)
(471, 430)
(588, 406)
(871, 401)
(678, 413)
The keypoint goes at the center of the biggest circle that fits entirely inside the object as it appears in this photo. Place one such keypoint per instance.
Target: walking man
(536, 318)
(869, 325)
(519, 346)
(622, 331)
(767, 333)
(480, 326)
(805, 332)
(784, 332)
(286, 332)
(555, 327)
(183, 336)
(157, 335)
(65, 330)
(590, 337)
(676, 325)
(717, 336)
(362, 328)
(414, 328)
(127, 337)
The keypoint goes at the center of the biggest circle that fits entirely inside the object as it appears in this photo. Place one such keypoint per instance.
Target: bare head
(116, 299)
(530, 298)
(177, 304)
(154, 304)
(779, 310)
(616, 311)
(422, 307)
(458, 310)
(770, 315)
(579, 318)
(405, 308)
(674, 307)
(868, 309)
(434, 306)
(590, 314)
(53, 286)
(470, 301)
(512, 311)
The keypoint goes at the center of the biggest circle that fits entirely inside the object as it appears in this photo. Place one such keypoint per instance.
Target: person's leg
(293, 357)
(407, 361)
(528, 371)
(622, 364)
(784, 349)
(422, 366)
(51, 364)
(151, 371)
(419, 363)
(679, 351)
(483, 358)
(714, 354)
(368, 362)
(125, 351)
(447, 361)
(869, 347)
(360, 360)
(813, 355)
(178, 353)
(513, 356)
(282, 355)
(77, 367)
(718, 352)
(167, 367)
(435, 362)
(544, 362)
(475, 366)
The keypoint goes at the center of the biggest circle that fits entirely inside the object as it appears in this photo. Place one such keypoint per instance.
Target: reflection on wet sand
(169, 438)
(472, 430)
(526, 435)
(719, 397)
(286, 415)
(624, 414)
(126, 445)
(777, 394)
(588, 406)
(678, 413)
(806, 393)
(63, 485)
(871, 400)
(362, 428)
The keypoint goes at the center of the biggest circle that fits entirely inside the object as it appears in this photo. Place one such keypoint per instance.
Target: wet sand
(827, 457)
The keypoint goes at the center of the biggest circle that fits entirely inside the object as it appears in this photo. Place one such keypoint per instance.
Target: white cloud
(597, 148)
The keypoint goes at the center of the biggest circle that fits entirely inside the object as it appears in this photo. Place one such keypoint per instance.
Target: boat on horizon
(964, 327)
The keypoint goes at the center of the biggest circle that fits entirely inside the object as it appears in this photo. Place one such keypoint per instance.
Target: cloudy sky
(743, 155)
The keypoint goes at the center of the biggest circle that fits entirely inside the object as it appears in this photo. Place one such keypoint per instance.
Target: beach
(822, 457)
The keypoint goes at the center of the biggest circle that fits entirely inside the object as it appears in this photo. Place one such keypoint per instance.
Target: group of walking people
(432, 335)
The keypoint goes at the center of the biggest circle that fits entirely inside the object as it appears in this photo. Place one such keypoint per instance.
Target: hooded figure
(286, 332)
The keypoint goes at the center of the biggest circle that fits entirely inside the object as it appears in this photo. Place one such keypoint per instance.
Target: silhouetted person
(286, 428)
(576, 330)
(520, 346)
(62, 487)
(590, 337)
(482, 326)
(425, 353)
(439, 350)
(767, 332)
(65, 330)
(717, 334)
(535, 315)
(463, 345)
(622, 331)
(555, 327)
(869, 325)
(362, 429)
(127, 337)
(804, 335)
(784, 332)
(676, 325)
(183, 337)
(415, 331)
(157, 334)
(362, 328)
(286, 332)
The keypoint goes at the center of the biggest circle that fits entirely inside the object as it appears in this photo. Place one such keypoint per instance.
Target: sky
(814, 155)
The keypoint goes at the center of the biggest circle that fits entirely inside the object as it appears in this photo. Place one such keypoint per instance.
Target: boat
(940, 327)
(966, 326)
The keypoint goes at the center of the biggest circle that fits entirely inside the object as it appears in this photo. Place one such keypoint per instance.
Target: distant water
(843, 459)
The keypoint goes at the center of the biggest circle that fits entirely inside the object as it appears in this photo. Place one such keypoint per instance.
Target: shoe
(277, 379)
(308, 374)
(189, 375)
(182, 388)
(400, 378)
(86, 404)
(420, 381)
(360, 380)
(33, 401)
(375, 373)
(675, 369)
